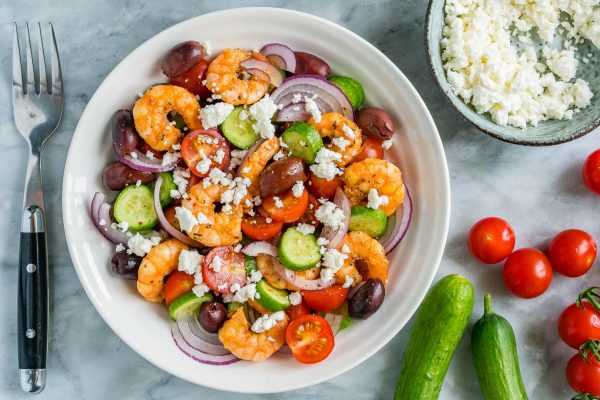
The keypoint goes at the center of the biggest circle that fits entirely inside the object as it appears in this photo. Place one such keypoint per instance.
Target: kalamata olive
(307, 63)
(367, 299)
(182, 57)
(125, 265)
(281, 175)
(376, 123)
(125, 138)
(118, 175)
(212, 316)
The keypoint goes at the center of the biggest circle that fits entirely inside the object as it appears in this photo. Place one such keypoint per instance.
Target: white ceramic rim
(432, 259)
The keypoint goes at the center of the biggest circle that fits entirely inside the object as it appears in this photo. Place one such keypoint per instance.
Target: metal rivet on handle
(30, 268)
(30, 333)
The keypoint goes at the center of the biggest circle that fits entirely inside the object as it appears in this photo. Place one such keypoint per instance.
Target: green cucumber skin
(440, 323)
(494, 351)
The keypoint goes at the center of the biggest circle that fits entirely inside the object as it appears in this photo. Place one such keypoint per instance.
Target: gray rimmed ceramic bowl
(548, 132)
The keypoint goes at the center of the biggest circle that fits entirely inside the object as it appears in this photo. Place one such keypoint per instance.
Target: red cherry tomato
(584, 375)
(192, 80)
(591, 172)
(325, 300)
(292, 207)
(491, 240)
(310, 337)
(297, 311)
(321, 187)
(258, 228)
(309, 216)
(578, 324)
(527, 273)
(228, 270)
(178, 283)
(371, 148)
(572, 252)
(200, 144)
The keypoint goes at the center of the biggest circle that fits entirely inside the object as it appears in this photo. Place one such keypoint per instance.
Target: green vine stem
(591, 295)
(591, 346)
(585, 396)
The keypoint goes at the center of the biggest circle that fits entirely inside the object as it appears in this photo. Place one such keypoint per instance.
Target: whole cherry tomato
(371, 148)
(325, 300)
(572, 252)
(258, 228)
(491, 240)
(527, 273)
(591, 172)
(321, 187)
(583, 374)
(577, 324)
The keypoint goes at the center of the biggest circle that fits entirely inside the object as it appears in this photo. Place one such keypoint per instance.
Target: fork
(37, 110)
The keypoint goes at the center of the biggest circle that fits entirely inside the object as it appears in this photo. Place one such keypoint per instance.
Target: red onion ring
(197, 354)
(100, 210)
(195, 328)
(144, 163)
(301, 283)
(335, 321)
(280, 55)
(329, 97)
(398, 224)
(255, 248)
(294, 112)
(162, 220)
(275, 76)
(354, 289)
(198, 342)
(336, 236)
(250, 150)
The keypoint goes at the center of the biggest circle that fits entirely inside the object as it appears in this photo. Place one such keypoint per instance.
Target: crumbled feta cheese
(278, 202)
(176, 146)
(269, 220)
(330, 215)
(298, 189)
(295, 298)
(140, 246)
(180, 179)
(311, 107)
(255, 276)
(123, 226)
(207, 49)
(282, 144)
(189, 261)
(340, 142)
(322, 241)
(305, 229)
(138, 183)
(150, 155)
(219, 156)
(237, 247)
(348, 131)
(235, 287)
(133, 154)
(119, 248)
(202, 219)
(345, 249)
(271, 339)
(102, 222)
(266, 322)
(246, 293)
(375, 200)
(236, 158)
(326, 274)
(257, 201)
(170, 157)
(324, 166)
(216, 265)
(296, 98)
(562, 63)
(200, 290)
(279, 155)
(333, 259)
(262, 113)
(187, 220)
(387, 144)
(213, 115)
(348, 282)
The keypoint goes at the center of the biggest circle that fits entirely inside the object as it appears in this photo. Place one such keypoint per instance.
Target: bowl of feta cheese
(521, 71)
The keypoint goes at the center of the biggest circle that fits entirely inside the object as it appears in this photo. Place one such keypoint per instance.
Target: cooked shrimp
(160, 261)
(236, 336)
(372, 173)
(346, 137)
(256, 163)
(370, 251)
(225, 77)
(222, 228)
(151, 110)
(264, 265)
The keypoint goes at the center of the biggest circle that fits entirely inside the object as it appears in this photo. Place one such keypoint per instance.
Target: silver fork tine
(17, 73)
(42, 62)
(57, 85)
(30, 74)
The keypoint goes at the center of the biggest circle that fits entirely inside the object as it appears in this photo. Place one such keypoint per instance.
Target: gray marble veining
(539, 190)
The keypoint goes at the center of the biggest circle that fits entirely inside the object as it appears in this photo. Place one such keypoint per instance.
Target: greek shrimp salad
(254, 201)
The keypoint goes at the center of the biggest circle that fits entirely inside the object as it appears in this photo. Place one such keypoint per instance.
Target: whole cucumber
(495, 353)
(440, 322)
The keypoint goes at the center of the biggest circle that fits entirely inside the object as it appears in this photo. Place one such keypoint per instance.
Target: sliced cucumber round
(297, 251)
(135, 205)
(165, 188)
(271, 298)
(187, 304)
(352, 88)
(239, 131)
(368, 220)
(303, 141)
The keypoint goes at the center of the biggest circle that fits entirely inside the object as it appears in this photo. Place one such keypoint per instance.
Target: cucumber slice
(271, 298)
(165, 188)
(250, 264)
(233, 306)
(135, 205)
(187, 303)
(303, 141)
(352, 88)
(298, 251)
(178, 119)
(346, 322)
(239, 131)
(368, 220)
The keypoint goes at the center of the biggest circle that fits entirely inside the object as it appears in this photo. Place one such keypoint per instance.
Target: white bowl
(417, 149)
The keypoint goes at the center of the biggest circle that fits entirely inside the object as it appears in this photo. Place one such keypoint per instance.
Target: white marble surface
(539, 190)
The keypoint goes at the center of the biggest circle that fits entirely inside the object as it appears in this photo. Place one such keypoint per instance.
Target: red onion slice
(280, 55)
(275, 76)
(335, 321)
(294, 112)
(205, 342)
(301, 283)
(162, 220)
(143, 163)
(194, 326)
(198, 355)
(354, 289)
(336, 236)
(329, 97)
(259, 73)
(398, 224)
(100, 211)
(256, 248)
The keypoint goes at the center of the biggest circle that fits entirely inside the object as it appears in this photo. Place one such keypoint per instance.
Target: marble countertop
(539, 190)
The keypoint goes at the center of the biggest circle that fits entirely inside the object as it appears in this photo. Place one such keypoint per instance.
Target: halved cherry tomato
(591, 172)
(572, 252)
(221, 274)
(293, 207)
(310, 337)
(178, 283)
(491, 240)
(321, 187)
(192, 80)
(583, 375)
(577, 324)
(200, 144)
(258, 228)
(325, 300)
(298, 310)
(527, 273)
(371, 148)
(309, 216)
